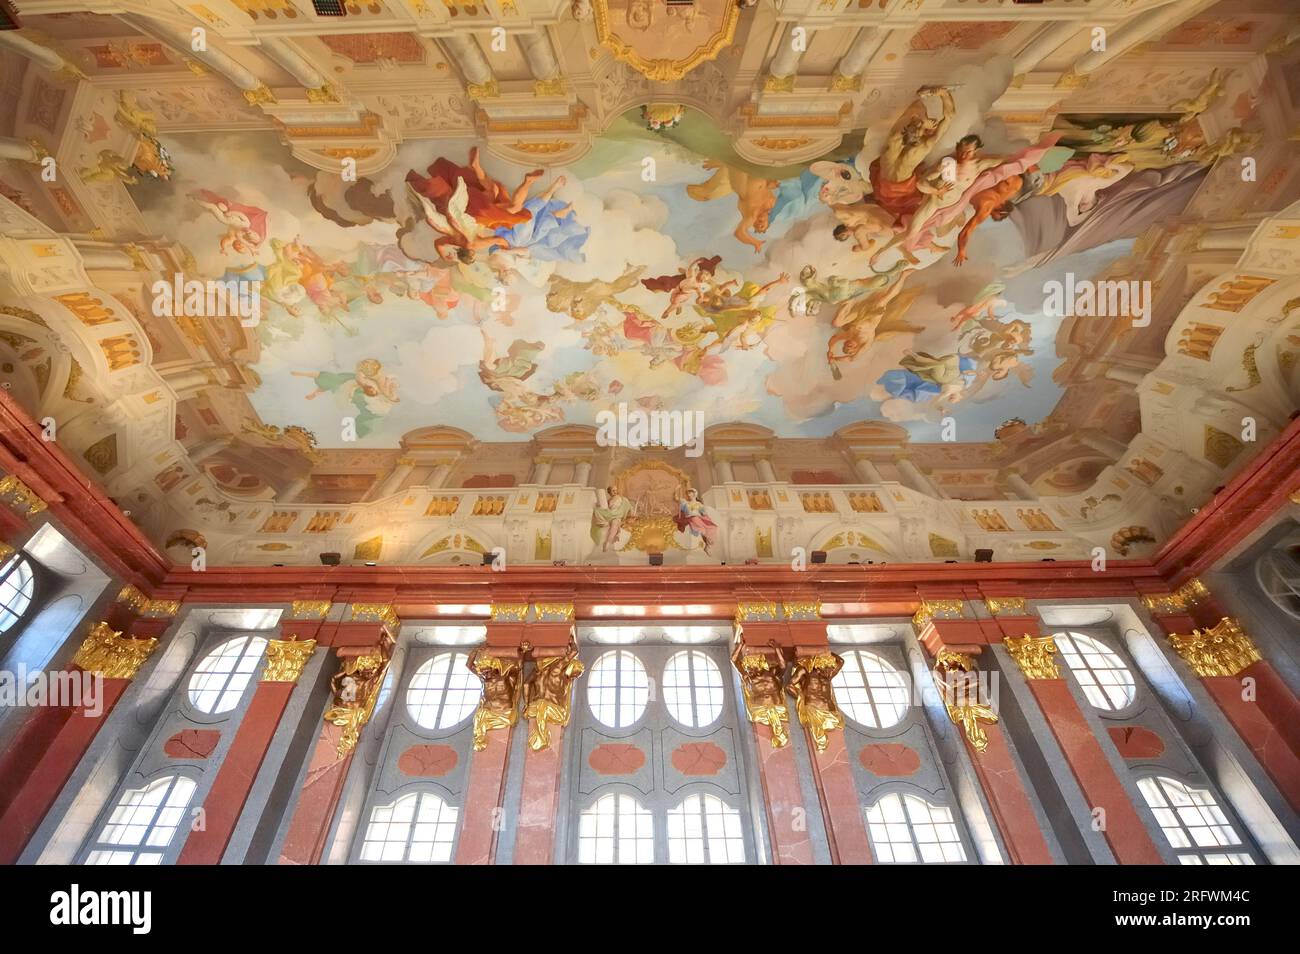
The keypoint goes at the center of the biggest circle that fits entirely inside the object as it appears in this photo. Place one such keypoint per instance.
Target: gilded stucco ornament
(112, 655)
(1005, 605)
(548, 692)
(499, 706)
(761, 670)
(375, 613)
(356, 690)
(1034, 655)
(309, 609)
(814, 696)
(285, 659)
(19, 497)
(1224, 650)
(1166, 604)
(936, 609)
(1193, 591)
(143, 606)
(957, 680)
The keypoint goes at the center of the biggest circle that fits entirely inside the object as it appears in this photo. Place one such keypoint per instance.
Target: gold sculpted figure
(356, 690)
(499, 707)
(760, 678)
(814, 696)
(548, 692)
(958, 682)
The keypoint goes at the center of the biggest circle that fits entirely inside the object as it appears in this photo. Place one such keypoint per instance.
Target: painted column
(1246, 687)
(285, 659)
(722, 466)
(582, 472)
(393, 482)
(765, 471)
(956, 643)
(21, 150)
(541, 471)
(1125, 831)
(849, 70)
(50, 744)
(867, 471)
(914, 478)
(364, 646)
(550, 637)
(756, 627)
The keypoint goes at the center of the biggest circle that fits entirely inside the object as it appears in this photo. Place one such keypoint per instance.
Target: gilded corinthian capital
(1034, 655)
(1224, 650)
(112, 655)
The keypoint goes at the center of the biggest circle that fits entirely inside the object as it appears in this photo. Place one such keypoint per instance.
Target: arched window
(693, 689)
(143, 823)
(870, 691)
(17, 584)
(618, 689)
(443, 692)
(1192, 821)
(1102, 674)
(220, 679)
(905, 829)
(703, 829)
(1278, 575)
(419, 828)
(617, 830)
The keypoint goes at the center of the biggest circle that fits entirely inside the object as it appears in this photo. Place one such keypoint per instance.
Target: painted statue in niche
(499, 706)
(761, 670)
(814, 695)
(607, 519)
(694, 521)
(548, 691)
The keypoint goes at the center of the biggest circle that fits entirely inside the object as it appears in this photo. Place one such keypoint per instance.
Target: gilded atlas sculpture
(499, 706)
(957, 679)
(761, 671)
(814, 696)
(548, 691)
(356, 690)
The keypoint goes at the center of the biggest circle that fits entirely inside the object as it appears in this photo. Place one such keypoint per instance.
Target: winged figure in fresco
(245, 224)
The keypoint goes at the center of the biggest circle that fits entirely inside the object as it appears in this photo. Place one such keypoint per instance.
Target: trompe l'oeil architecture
(540, 432)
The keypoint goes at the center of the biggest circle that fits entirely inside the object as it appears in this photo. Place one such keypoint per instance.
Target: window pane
(443, 693)
(618, 689)
(220, 679)
(693, 689)
(1102, 674)
(905, 829)
(870, 691)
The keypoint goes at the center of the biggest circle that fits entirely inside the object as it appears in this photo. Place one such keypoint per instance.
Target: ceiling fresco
(962, 252)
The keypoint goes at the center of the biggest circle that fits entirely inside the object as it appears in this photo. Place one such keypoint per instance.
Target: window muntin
(1278, 575)
(870, 690)
(143, 823)
(616, 829)
(906, 829)
(618, 689)
(17, 586)
(693, 689)
(220, 679)
(1105, 679)
(443, 692)
(703, 829)
(1192, 820)
(418, 828)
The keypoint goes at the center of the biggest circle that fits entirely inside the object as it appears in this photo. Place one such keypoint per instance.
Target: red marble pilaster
(846, 828)
(482, 816)
(243, 760)
(787, 818)
(327, 770)
(1267, 719)
(1124, 830)
(1003, 785)
(539, 803)
(53, 740)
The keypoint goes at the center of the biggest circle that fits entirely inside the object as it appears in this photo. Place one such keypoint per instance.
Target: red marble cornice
(1255, 493)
